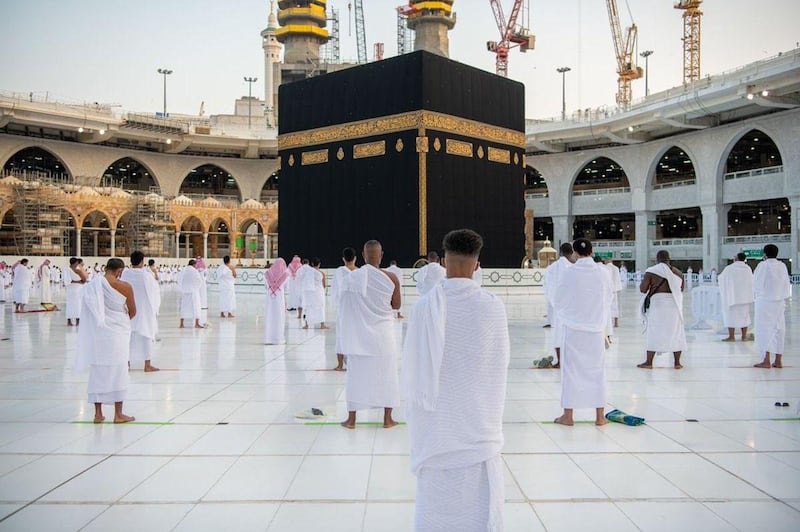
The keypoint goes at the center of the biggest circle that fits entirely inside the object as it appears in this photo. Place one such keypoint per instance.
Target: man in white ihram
(367, 304)
(552, 275)
(455, 365)
(771, 288)
(736, 293)
(191, 283)
(144, 326)
(430, 275)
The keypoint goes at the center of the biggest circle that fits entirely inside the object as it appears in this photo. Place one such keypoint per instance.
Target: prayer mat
(618, 416)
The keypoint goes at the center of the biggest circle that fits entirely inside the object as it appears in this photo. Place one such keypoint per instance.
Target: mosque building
(704, 169)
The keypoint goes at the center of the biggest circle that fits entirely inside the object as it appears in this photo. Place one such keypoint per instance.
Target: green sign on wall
(604, 254)
(626, 254)
(753, 253)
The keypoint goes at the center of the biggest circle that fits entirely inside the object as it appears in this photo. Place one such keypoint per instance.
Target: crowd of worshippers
(455, 353)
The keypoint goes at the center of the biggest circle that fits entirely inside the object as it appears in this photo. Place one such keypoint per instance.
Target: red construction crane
(511, 34)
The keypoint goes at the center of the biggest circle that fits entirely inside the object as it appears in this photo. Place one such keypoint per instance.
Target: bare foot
(199, 326)
(348, 425)
(563, 420)
(729, 339)
(644, 365)
(777, 365)
(762, 365)
(221, 314)
(678, 366)
(601, 422)
(148, 369)
(389, 424)
(99, 419)
(556, 366)
(231, 315)
(180, 327)
(305, 326)
(122, 418)
(323, 326)
(339, 369)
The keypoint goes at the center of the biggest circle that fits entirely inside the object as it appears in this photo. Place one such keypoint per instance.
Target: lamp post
(646, 54)
(563, 71)
(250, 82)
(165, 72)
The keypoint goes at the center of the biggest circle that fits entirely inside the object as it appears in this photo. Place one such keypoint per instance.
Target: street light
(250, 82)
(563, 71)
(646, 54)
(165, 72)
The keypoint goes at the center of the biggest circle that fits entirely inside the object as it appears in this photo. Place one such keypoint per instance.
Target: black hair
(315, 262)
(349, 254)
(462, 242)
(151, 262)
(114, 264)
(565, 249)
(192, 262)
(136, 258)
(582, 247)
(771, 251)
(73, 261)
(662, 256)
(226, 259)
(741, 257)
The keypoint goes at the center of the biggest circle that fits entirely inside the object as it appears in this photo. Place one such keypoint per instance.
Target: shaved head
(373, 253)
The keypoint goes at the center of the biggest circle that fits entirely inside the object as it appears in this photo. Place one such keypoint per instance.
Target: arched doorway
(269, 192)
(535, 183)
(96, 235)
(129, 174)
(601, 174)
(219, 242)
(191, 238)
(674, 169)
(253, 239)
(754, 151)
(124, 236)
(210, 180)
(37, 163)
(764, 217)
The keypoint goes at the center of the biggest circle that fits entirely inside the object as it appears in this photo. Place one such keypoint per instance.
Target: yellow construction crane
(691, 38)
(626, 55)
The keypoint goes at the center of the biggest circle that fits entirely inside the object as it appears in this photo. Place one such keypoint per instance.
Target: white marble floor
(216, 444)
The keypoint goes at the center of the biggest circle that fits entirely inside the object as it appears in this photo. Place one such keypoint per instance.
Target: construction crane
(626, 55)
(511, 33)
(405, 35)
(691, 38)
(361, 37)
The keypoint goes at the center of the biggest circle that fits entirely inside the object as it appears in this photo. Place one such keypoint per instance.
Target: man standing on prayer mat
(144, 326)
(665, 316)
(104, 337)
(21, 289)
(736, 295)
(455, 366)
(583, 308)
(551, 279)
(368, 304)
(772, 288)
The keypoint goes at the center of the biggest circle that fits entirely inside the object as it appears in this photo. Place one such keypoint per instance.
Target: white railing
(535, 195)
(601, 191)
(757, 239)
(672, 184)
(677, 242)
(614, 243)
(754, 172)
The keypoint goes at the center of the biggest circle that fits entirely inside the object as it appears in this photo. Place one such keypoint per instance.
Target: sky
(109, 50)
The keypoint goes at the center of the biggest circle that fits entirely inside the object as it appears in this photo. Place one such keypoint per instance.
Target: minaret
(431, 20)
(272, 56)
(302, 30)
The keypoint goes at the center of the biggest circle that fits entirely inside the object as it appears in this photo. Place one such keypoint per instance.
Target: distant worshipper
(552, 276)
(623, 275)
(144, 326)
(582, 308)
(610, 278)
(151, 265)
(74, 281)
(664, 318)
(108, 306)
(371, 297)
(200, 266)
(313, 280)
(393, 268)
(455, 366)
(689, 279)
(616, 278)
(276, 278)
(430, 275)
(21, 289)
(339, 279)
(298, 282)
(736, 293)
(191, 284)
(293, 300)
(771, 288)
(5, 281)
(226, 277)
(43, 278)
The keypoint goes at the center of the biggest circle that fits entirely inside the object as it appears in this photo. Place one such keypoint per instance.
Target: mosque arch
(269, 192)
(599, 173)
(750, 150)
(38, 161)
(535, 182)
(219, 238)
(672, 167)
(210, 180)
(96, 234)
(124, 235)
(253, 231)
(129, 173)
(190, 237)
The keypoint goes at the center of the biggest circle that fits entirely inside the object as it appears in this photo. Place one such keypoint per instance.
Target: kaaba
(401, 150)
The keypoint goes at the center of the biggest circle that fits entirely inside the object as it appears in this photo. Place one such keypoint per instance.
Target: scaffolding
(150, 225)
(330, 52)
(41, 225)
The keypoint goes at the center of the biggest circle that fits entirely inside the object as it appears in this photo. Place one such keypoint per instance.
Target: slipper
(311, 413)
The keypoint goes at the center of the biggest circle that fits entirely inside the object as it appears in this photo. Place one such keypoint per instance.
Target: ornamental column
(205, 245)
(562, 229)
(645, 228)
(113, 243)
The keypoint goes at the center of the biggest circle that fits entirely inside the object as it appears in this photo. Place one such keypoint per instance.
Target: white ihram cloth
(227, 289)
(736, 292)
(616, 286)
(339, 278)
(611, 279)
(399, 274)
(552, 275)
(275, 315)
(293, 289)
(74, 295)
(368, 340)
(582, 310)
(191, 283)
(144, 325)
(21, 290)
(5, 282)
(771, 288)
(455, 365)
(43, 278)
(664, 319)
(313, 296)
(104, 341)
(429, 276)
